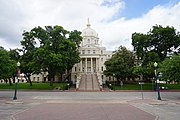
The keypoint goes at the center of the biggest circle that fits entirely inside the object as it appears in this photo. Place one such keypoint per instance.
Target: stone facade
(92, 54)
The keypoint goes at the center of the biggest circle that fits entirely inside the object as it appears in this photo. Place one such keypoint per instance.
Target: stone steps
(89, 82)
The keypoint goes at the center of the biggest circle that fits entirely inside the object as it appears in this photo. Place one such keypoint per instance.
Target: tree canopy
(51, 49)
(155, 46)
(8, 65)
(170, 68)
(120, 64)
(160, 40)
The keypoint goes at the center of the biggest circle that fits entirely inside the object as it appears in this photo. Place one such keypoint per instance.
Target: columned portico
(88, 65)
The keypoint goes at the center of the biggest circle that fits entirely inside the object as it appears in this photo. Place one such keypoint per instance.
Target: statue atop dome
(88, 24)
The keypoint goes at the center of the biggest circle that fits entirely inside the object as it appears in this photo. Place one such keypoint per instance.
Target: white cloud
(72, 14)
(119, 32)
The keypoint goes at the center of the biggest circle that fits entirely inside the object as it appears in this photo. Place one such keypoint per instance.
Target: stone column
(81, 65)
(97, 65)
(91, 66)
(85, 65)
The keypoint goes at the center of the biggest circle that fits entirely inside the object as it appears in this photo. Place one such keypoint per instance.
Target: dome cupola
(89, 32)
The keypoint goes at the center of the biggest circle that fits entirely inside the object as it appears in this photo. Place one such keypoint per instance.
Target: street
(97, 105)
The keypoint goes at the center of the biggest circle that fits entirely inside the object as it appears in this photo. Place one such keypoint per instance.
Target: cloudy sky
(113, 20)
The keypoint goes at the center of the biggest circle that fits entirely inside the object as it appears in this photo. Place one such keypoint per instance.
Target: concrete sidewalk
(81, 111)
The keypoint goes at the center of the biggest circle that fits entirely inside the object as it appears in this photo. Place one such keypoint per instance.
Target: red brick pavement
(81, 111)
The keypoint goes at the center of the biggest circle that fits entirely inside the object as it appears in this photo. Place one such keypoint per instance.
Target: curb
(14, 102)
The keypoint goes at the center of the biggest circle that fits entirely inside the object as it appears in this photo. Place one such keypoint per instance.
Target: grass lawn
(146, 86)
(36, 86)
(171, 86)
(132, 87)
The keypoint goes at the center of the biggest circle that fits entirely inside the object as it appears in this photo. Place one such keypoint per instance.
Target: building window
(102, 59)
(101, 52)
(75, 69)
(83, 51)
(102, 68)
(88, 51)
(102, 77)
(88, 41)
(94, 51)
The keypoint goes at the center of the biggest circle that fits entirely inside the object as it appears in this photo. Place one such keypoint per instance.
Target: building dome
(89, 32)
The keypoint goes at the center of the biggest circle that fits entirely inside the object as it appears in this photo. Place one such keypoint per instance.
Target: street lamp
(157, 81)
(16, 81)
(114, 80)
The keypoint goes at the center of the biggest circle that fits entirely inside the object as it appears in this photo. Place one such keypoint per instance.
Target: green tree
(140, 44)
(121, 63)
(155, 46)
(8, 66)
(160, 40)
(28, 49)
(170, 68)
(56, 53)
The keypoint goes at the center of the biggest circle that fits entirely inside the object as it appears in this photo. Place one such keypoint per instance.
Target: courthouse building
(92, 54)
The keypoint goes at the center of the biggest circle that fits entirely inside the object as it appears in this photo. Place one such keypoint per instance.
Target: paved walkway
(78, 111)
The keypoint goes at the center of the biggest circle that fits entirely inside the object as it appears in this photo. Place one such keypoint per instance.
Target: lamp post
(16, 81)
(114, 80)
(157, 81)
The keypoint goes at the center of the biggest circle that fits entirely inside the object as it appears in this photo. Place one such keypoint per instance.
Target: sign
(141, 83)
(19, 72)
(16, 80)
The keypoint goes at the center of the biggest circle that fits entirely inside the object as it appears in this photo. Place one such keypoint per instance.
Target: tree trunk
(10, 83)
(29, 79)
(69, 73)
(51, 82)
(51, 77)
(67, 77)
(5, 80)
(14, 77)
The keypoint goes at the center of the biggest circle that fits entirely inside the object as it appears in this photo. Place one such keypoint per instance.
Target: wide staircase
(89, 82)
